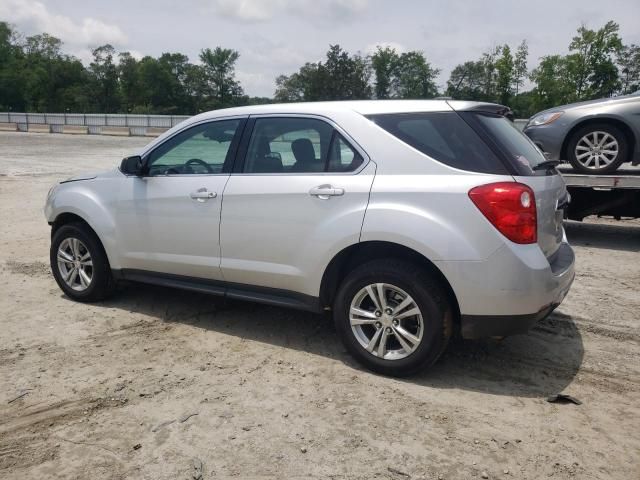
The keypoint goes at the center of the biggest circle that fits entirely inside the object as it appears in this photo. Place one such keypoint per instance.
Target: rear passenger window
(445, 137)
(342, 157)
(298, 145)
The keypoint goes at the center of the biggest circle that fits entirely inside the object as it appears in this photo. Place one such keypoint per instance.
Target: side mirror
(132, 165)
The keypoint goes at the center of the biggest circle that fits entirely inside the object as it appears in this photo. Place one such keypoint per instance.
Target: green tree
(467, 81)
(384, 63)
(520, 66)
(552, 78)
(128, 81)
(196, 88)
(340, 77)
(52, 81)
(12, 92)
(305, 85)
(588, 71)
(104, 75)
(629, 66)
(219, 67)
(406, 75)
(416, 77)
(592, 65)
(505, 75)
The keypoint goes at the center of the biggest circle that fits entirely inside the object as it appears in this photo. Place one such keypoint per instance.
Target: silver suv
(408, 220)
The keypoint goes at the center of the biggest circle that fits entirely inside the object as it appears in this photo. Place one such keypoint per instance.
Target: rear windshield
(445, 137)
(521, 153)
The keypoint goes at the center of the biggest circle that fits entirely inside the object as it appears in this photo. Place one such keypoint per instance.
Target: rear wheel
(597, 148)
(79, 264)
(393, 317)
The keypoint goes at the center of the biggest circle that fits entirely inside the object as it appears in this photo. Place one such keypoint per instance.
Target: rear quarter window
(445, 137)
(517, 148)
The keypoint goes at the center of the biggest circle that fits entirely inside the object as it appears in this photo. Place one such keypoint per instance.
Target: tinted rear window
(519, 150)
(443, 136)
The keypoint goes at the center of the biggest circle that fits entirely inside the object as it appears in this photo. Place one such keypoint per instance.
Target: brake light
(510, 207)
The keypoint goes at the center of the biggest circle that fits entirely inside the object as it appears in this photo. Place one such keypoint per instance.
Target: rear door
(522, 157)
(298, 197)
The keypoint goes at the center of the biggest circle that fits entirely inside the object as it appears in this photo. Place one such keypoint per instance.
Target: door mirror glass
(132, 165)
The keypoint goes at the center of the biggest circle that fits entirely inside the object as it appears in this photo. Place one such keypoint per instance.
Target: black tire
(615, 132)
(427, 294)
(102, 283)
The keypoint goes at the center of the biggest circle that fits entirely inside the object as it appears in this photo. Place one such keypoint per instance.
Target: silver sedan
(595, 136)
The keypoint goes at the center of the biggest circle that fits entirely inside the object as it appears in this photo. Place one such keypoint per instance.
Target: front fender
(87, 200)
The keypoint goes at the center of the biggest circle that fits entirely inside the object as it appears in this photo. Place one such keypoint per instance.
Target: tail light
(510, 207)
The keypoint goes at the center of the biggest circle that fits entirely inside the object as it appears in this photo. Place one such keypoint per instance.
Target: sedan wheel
(597, 150)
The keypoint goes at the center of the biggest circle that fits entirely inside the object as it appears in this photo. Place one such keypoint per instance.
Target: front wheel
(597, 148)
(79, 264)
(393, 317)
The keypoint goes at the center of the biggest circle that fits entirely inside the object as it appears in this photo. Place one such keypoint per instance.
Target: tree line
(37, 76)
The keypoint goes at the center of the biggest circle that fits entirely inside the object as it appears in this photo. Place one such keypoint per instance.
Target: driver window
(199, 150)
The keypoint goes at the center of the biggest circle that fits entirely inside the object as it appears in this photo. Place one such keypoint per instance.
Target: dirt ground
(162, 384)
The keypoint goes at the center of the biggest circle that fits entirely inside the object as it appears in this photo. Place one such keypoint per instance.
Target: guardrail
(89, 123)
(100, 124)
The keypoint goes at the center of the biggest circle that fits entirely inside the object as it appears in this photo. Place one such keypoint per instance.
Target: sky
(276, 37)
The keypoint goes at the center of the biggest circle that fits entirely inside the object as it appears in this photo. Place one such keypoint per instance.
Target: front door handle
(325, 191)
(202, 195)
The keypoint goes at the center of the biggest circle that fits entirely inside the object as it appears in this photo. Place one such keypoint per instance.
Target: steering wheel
(197, 161)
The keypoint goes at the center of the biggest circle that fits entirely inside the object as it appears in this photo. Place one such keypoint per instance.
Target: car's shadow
(620, 236)
(541, 363)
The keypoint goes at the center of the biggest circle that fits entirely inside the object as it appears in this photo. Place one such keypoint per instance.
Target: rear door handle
(202, 195)
(325, 191)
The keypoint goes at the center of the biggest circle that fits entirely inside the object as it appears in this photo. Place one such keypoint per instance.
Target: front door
(169, 219)
(299, 198)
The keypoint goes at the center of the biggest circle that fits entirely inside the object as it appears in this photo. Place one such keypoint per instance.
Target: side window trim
(241, 154)
(334, 136)
(231, 154)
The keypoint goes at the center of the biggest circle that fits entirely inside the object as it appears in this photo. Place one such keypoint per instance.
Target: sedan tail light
(510, 207)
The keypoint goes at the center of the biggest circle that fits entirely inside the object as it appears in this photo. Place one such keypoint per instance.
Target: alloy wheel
(597, 150)
(386, 321)
(75, 264)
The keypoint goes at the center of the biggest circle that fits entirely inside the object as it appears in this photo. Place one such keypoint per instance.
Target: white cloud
(315, 10)
(33, 17)
(252, 82)
(398, 47)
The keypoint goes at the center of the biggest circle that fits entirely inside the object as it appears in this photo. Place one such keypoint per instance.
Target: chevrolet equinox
(408, 220)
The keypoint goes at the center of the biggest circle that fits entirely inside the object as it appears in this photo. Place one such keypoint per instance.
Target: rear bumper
(510, 291)
(482, 326)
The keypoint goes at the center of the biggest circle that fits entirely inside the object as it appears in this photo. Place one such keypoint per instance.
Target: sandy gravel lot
(162, 384)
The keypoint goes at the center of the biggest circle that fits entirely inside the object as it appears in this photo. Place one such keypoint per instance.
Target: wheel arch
(66, 218)
(357, 254)
(613, 121)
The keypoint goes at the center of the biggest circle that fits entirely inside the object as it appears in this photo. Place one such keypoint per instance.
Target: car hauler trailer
(616, 195)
